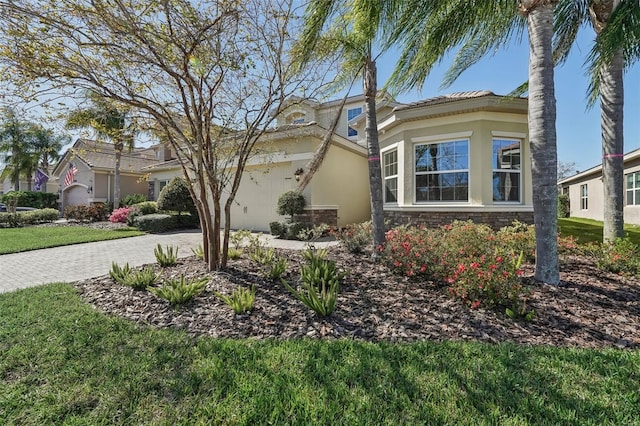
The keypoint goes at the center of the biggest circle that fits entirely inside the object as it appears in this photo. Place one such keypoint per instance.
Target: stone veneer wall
(319, 216)
(433, 219)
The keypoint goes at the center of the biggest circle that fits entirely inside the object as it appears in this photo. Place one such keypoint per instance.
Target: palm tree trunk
(612, 105)
(542, 138)
(611, 117)
(370, 86)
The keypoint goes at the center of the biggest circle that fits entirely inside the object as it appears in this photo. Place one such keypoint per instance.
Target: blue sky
(578, 129)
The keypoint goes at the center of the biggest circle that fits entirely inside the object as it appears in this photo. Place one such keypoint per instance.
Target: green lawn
(587, 230)
(13, 240)
(62, 362)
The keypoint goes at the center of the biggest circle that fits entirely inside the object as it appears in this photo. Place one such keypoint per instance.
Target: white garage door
(76, 196)
(257, 199)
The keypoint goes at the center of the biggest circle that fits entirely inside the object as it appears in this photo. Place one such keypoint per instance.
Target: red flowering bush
(119, 215)
(408, 251)
(568, 245)
(518, 238)
(492, 280)
(619, 256)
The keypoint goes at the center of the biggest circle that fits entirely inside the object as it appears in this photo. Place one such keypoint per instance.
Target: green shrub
(132, 199)
(31, 217)
(313, 233)
(410, 251)
(35, 199)
(93, 213)
(237, 237)
(291, 203)
(278, 229)
(155, 223)
(170, 258)
(118, 273)
(178, 291)
(141, 279)
(10, 220)
(619, 256)
(355, 236)
(175, 196)
(241, 300)
(563, 205)
(518, 238)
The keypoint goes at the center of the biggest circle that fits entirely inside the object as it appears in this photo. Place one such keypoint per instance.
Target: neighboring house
(586, 192)
(460, 156)
(6, 185)
(93, 182)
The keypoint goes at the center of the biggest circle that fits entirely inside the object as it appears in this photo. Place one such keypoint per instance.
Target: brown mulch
(590, 309)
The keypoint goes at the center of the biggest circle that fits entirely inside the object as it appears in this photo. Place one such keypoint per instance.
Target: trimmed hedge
(37, 200)
(13, 220)
(94, 213)
(159, 222)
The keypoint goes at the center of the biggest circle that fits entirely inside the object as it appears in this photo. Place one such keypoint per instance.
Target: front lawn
(588, 230)
(13, 240)
(62, 362)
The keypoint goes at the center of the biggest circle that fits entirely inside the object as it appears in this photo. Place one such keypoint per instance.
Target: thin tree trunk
(542, 137)
(116, 176)
(370, 86)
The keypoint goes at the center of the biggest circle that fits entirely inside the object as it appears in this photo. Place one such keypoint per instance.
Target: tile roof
(102, 155)
(451, 97)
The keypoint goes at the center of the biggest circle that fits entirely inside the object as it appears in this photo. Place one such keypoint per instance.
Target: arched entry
(75, 195)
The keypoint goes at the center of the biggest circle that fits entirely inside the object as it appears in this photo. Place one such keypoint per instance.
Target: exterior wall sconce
(298, 173)
(89, 189)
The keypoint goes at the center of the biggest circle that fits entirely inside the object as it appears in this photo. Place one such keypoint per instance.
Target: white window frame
(634, 190)
(351, 132)
(509, 170)
(389, 177)
(584, 197)
(452, 171)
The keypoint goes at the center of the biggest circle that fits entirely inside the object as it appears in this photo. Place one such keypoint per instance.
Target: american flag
(40, 179)
(71, 174)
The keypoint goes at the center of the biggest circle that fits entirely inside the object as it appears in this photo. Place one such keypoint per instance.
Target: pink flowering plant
(119, 215)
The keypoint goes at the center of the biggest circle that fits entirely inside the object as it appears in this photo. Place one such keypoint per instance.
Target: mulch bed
(590, 309)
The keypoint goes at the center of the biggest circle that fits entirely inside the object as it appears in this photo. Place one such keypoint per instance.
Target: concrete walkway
(82, 261)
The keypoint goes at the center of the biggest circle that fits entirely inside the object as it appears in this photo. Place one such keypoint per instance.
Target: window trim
(633, 190)
(584, 197)
(385, 177)
(429, 140)
(518, 171)
(349, 128)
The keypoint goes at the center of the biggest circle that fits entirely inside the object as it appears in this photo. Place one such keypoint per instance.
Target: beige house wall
(343, 182)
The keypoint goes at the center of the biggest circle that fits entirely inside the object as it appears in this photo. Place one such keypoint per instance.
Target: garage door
(76, 196)
(257, 199)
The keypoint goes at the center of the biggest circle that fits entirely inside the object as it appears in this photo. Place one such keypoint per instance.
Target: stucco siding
(343, 181)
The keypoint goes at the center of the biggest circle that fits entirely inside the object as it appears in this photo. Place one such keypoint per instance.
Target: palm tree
(427, 34)
(354, 28)
(615, 48)
(109, 121)
(46, 147)
(15, 141)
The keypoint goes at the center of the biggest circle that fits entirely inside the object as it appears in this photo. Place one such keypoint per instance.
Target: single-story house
(460, 156)
(93, 180)
(586, 191)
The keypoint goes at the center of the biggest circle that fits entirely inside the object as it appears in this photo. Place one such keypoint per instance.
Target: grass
(62, 362)
(588, 230)
(13, 240)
